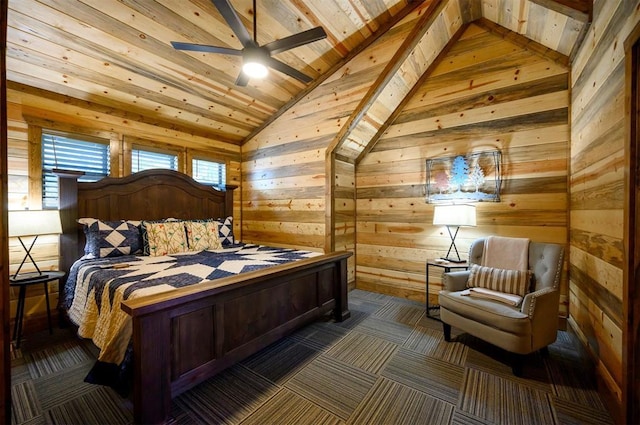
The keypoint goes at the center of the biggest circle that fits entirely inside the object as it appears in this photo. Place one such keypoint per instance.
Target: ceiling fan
(256, 58)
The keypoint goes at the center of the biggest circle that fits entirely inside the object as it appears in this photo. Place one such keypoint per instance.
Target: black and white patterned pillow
(111, 238)
(226, 231)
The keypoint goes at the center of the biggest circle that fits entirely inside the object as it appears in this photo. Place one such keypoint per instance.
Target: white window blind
(71, 152)
(146, 160)
(209, 172)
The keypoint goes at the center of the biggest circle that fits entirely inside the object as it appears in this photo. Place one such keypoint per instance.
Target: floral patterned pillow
(164, 238)
(202, 235)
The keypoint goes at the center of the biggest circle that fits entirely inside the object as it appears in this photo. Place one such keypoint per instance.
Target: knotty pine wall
(29, 110)
(287, 181)
(487, 93)
(597, 187)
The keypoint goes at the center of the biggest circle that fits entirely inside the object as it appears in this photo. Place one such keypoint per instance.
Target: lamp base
(454, 260)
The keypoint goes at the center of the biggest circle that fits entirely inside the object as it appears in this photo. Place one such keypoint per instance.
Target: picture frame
(474, 177)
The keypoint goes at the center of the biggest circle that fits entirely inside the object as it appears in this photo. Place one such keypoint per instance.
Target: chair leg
(516, 365)
(447, 332)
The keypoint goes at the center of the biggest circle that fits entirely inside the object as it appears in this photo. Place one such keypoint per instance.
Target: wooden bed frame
(183, 337)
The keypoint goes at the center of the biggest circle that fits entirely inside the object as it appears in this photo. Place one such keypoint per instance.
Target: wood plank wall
(31, 109)
(486, 93)
(286, 177)
(597, 188)
(343, 196)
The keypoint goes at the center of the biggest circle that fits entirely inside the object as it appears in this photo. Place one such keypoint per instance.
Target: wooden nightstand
(44, 279)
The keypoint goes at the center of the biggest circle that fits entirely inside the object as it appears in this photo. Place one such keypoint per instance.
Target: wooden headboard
(146, 195)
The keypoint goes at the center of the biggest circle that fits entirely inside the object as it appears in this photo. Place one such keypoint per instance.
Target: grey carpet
(388, 364)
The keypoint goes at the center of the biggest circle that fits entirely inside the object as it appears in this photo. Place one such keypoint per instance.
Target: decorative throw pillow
(203, 235)
(501, 280)
(164, 238)
(111, 238)
(226, 231)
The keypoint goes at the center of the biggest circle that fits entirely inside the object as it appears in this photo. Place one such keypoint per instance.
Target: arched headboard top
(146, 195)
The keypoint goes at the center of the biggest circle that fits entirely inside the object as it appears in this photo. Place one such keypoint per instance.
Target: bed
(184, 336)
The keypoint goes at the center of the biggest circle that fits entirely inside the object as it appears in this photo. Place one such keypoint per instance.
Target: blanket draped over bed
(96, 287)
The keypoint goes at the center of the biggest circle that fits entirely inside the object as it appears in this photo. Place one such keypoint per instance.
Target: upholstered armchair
(518, 327)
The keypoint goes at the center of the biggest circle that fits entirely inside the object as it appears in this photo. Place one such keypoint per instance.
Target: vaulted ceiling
(116, 54)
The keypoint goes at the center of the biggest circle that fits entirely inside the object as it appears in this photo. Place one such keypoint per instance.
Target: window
(71, 152)
(209, 172)
(146, 159)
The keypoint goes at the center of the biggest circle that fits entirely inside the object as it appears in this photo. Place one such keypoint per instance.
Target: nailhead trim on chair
(534, 298)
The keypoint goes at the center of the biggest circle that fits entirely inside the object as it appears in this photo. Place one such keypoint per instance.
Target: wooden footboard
(184, 337)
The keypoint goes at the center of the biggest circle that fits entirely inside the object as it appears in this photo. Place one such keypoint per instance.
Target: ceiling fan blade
(205, 48)
(242, 80)
(229, 14)
(286, 69)
(295, 40)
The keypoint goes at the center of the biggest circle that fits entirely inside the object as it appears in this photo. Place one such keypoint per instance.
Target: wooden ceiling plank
(95, 88)
(79, 66)
(36, 96)
(126, 43)
(430, 13)
(317, 82)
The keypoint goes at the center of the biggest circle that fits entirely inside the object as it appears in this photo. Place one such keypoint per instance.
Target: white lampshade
(454, 215)
(34, 222)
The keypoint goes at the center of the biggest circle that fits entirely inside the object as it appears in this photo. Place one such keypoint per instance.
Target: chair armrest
(541, 302)
(455, 281)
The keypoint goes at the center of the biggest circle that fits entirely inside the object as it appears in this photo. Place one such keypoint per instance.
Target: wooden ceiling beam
(355, 52)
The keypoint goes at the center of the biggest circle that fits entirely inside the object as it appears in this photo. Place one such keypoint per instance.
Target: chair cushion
(489, 312)
(502, 280)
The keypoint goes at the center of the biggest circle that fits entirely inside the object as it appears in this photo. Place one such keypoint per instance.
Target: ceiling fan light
(255, 69)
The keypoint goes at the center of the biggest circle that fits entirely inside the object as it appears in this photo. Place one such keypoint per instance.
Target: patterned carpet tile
(396, 333)
(503, 401)
(57, 358)
(401, 311)
(486, 357)
(571, 383)
(352, 322)
(364, 351)
(281, 360)
(393, 403)
(431, 342)
(435, 377)
(24, 402)
(375, 297)
(99, 406)
(56, 388)
(226, 398)
(319, 336)
(335, 386)
(570, 413)
(288, 408)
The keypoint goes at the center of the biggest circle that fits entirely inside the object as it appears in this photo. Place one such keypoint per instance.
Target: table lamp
(457, 216)
(32, 223)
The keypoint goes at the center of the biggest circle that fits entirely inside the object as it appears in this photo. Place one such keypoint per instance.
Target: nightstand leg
(46, 295)
(17, 327)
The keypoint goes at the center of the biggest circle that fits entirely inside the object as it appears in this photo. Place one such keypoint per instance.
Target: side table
(46, 277)
(447, 266)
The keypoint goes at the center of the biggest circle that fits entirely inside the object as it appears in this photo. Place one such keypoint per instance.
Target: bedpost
(68, 206)
(341, 311)
(228, 200)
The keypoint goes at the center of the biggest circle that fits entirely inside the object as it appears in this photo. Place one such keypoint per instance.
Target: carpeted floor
(387, 364)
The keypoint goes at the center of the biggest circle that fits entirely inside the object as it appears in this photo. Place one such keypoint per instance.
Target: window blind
(209, 172)
(71, 153)
(146, 160)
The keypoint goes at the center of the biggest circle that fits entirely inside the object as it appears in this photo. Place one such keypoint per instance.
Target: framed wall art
(473, 177)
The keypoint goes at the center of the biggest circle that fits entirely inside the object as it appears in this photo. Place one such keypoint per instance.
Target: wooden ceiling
(116, 53)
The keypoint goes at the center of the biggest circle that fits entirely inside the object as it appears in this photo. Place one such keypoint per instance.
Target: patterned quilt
(95, 288)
